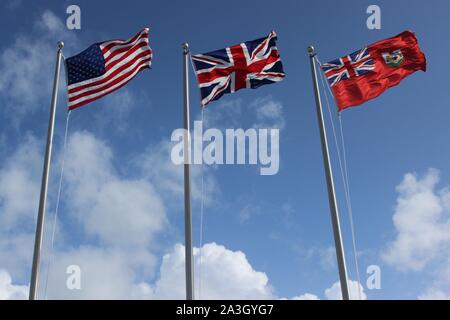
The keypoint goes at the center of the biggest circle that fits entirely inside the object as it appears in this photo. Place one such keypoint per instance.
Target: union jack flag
(105, 67)
(354, 65)
(249, 64)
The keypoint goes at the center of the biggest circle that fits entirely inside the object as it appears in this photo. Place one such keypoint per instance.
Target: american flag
(249, 64)
(105, 67)
(353, 65)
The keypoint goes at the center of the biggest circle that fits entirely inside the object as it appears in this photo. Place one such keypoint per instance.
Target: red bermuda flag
(367, 73)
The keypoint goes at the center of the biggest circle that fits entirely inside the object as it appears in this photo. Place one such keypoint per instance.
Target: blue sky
(119, 162)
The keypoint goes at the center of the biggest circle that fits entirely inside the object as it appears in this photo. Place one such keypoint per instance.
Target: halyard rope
(201, 224)
(55, 219)
(344, 173)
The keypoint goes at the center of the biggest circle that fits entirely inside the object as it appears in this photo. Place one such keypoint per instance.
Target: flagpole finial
(60, 45)
(185, 47)
(311, 51)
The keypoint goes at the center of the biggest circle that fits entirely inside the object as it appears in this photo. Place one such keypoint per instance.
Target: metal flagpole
(45, 175)
(187, 180)
(329, 176)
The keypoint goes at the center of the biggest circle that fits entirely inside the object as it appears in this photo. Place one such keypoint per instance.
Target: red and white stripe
(123, 60)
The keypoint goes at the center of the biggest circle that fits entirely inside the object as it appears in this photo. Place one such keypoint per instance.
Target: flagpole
(187, 180)
(44, 185)
(330, 184)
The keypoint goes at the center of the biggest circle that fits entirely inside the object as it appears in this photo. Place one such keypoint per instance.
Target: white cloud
(248, 211)
(334, 292)
(326, 256)
(422, 221)
(19, 189)
(106, 273)
(226, 114)
(27, 67)
(438, 287)
(226, 274)
(51, 23)
(16, 250)
(120, 218)
(19, 185)
(306, 296)
(434, 294)
(266, 112)
(269, 113)
(156, 166)
(119, 211)
(10, 291)
(422, 242)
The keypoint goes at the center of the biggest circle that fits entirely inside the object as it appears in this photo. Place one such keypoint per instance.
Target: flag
(249, 64)
(105, 67)
(367, 73)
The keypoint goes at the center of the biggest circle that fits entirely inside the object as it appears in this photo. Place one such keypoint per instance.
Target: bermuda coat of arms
(394, 59)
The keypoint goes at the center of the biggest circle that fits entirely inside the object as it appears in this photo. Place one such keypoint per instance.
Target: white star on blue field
(264, 237)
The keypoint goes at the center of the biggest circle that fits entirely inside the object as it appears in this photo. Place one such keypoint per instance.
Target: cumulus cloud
(156, 166)
(356, 291)
(10, 291)
(325, 255)
(119, 218)
(226, 274)
(266, 112)
(422, 241)
(105, 273)
(438, 287)
(334, 292)
(19, 178)
(434, 294)
(23, 85)
(20, 175)
(269, 113)
(227, 114)
(116, 218)
(16, 250)
(421, 220)
(306, 296)
(116, 210)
